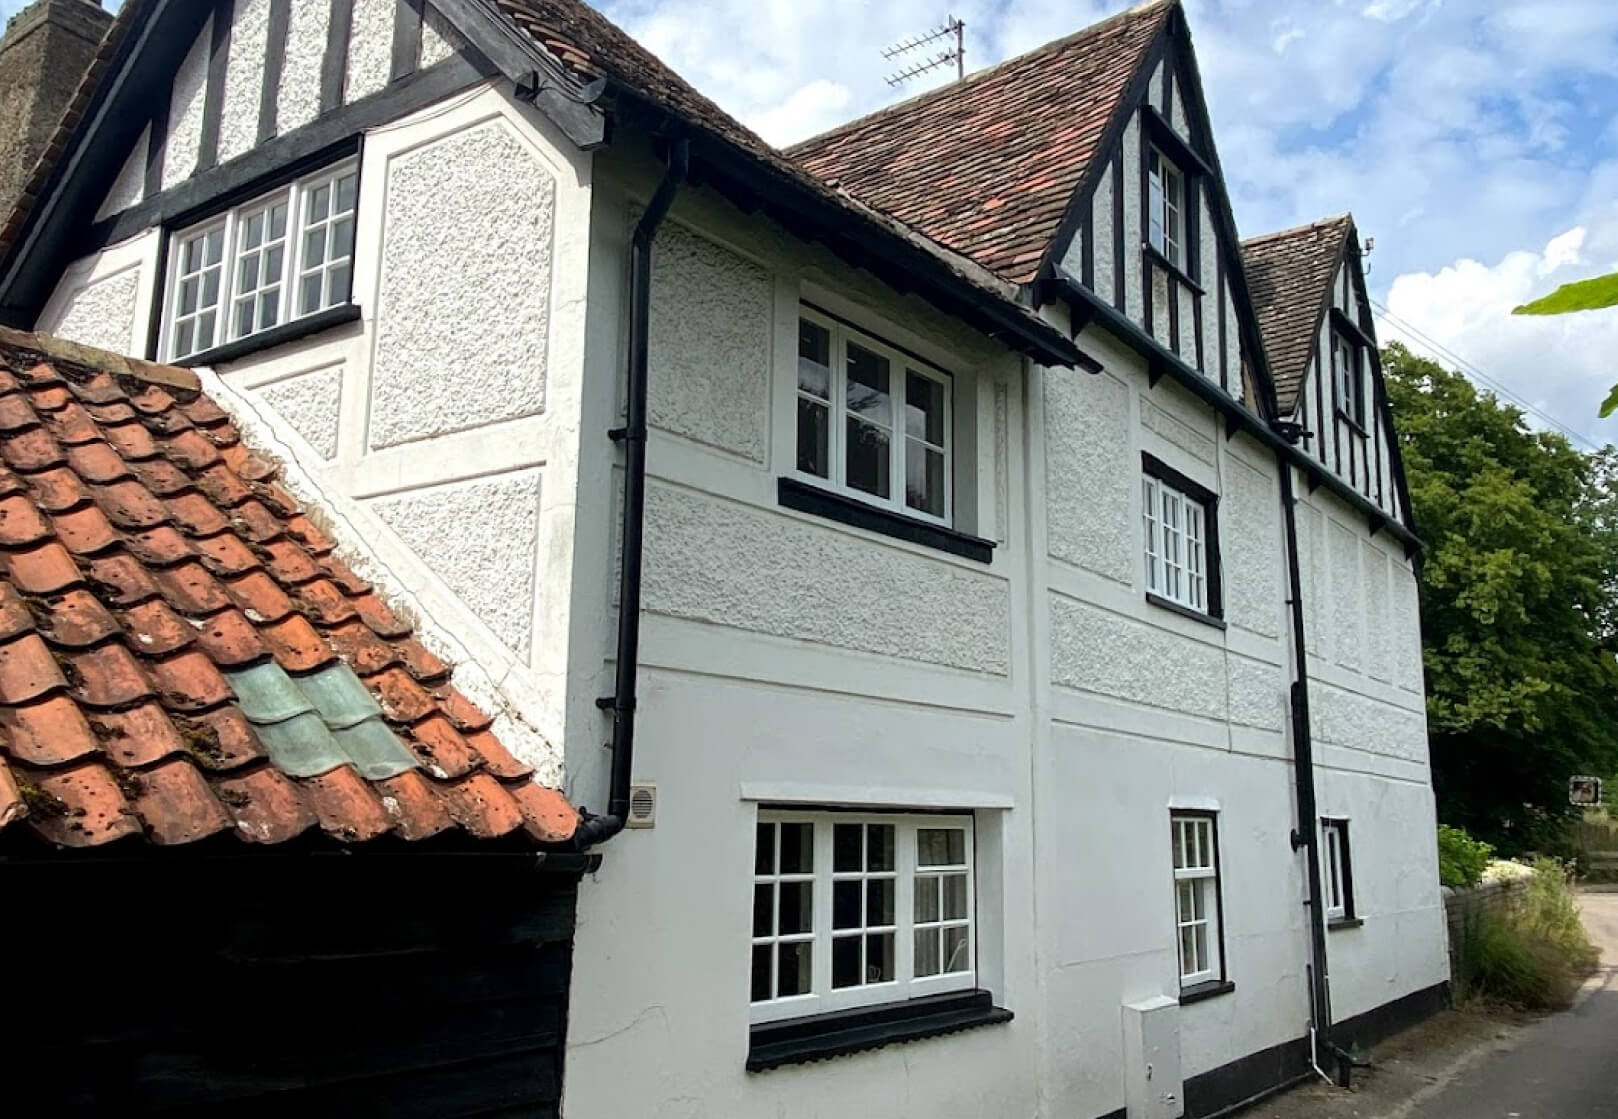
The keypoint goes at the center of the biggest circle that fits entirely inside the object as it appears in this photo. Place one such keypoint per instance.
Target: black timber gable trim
(213, 97)
(275, 54)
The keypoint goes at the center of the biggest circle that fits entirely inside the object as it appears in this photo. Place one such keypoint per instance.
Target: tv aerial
(952, 29)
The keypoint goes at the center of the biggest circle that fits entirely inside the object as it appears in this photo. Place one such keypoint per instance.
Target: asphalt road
(1565, 1067)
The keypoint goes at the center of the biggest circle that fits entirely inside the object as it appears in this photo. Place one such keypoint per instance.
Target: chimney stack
(44, 54)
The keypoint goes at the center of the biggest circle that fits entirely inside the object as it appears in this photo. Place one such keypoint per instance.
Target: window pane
(814, 359)
(346, 189)
(867, 393)
(845, 962)
(1188, 951)
(927, 891)
(924, 408)
(215, 246)
(955, 897)
(253, 231)
(796, 907)
(278, 221)
(205, 328)
(182, 338)
(795, 960)
(342, 236)
(761, 972)
(847, 846)
(957, 950)
(244, 318)
(1183, 903)
(268, 307)
(924, 478)
(309, 300)
(879, 847)
(764, 850)
(314, 248)
(210, 287)
(940, 846)
(247, 272)
(188, 296)
(879, 893)
(797, 848)
(337, 287)
(814, 438)
(927, 956)
(319, 203)
(879, 958)
(845, 905)
(763, 909)
(868, 458)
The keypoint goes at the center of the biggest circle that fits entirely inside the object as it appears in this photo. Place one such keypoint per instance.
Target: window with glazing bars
(1180, 529)
(851, 910)
(1195, 838)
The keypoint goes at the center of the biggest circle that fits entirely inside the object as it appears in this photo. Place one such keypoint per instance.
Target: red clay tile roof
(1289, 275)
(987, 167)
(182, 655)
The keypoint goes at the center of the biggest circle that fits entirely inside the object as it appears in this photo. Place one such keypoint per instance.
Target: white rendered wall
(105, 300)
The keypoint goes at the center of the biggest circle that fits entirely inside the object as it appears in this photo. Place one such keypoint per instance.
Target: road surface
(1565, 1067)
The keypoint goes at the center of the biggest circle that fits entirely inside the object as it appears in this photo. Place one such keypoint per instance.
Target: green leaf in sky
(1582, 295)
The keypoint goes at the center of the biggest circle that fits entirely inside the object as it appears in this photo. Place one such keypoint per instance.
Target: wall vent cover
(642, 806)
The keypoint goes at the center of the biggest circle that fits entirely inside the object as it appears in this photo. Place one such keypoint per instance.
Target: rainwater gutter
(1307, 833)
(599, 829)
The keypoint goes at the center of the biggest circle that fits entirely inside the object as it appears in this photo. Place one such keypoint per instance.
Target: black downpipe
(597, 829)
(1307, 834)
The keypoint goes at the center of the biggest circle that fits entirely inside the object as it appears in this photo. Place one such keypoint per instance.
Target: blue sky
(1475, 140)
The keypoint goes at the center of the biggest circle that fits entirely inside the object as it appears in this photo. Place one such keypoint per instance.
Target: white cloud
(809, 109)
(1562, 365)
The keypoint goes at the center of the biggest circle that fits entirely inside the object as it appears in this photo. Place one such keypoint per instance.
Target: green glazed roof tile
(266, 694)
(339, 696)
(374, 749)
(302, 746)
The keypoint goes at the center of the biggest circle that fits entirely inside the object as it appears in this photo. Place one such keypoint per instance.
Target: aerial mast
(952, 28)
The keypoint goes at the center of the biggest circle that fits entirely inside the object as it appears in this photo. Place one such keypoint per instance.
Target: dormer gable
(1319, 333)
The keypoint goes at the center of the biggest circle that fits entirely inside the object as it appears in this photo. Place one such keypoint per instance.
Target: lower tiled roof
(1289, 274)
(182, 655)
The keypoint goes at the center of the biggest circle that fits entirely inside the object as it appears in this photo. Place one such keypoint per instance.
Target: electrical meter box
(1153, 1088)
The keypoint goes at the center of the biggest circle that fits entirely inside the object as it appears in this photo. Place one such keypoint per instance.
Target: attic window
(1165, 205)
(1345, 362)
(282, 256)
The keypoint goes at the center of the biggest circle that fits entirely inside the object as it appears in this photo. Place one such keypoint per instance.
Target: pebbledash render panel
(1043, 746)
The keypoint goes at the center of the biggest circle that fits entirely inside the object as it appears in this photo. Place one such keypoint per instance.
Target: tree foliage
(1582, 295)
(1517, 603)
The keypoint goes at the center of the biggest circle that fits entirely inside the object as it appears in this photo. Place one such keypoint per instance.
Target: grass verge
(1531, 953)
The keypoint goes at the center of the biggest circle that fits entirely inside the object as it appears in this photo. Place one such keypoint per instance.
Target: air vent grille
(642, 806)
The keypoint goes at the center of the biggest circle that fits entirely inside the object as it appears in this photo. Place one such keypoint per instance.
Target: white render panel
(1171, 427)
(722, 562)
(492, 570)
(1407, 621)
(1160, 306)
(1362, 722)
(1096, 650)
(1101, 234)
(1189, 303)
(1134, 231)
(438, 39)
(244, 78)
(1233, 343)
(130, 186)
(1346, 592)
(1178, 118)
(1312, 573)
(1090, 478)
(185, 111)
(710, 342)
(1378, 607)
(1154, 88)
(1250, 548)
(1209, 263)
(101, 313)
(465, 343)
(1258, 693)
(370, 48)
(298, 101)
(310, 404)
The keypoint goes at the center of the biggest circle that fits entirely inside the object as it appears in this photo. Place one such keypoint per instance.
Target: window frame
(1156, 477)
(901, 363)
(905, 986)
(1348, 384)
(1162, 172)
(1336, 871)
(230, 221)
(1208, 877)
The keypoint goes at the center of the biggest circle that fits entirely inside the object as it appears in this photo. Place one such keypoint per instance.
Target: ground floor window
(1337, 881)
(857, 909)
(1197, 913)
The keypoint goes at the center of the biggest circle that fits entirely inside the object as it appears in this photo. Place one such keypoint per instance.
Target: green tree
(1517, 604)
(1594, 294)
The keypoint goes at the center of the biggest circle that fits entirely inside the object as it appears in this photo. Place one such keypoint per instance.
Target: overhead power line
(1491, 383)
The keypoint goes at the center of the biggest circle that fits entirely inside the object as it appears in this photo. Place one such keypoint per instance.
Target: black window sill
(846, 510)
(1175, 270)
(1185, 611)
(1213, 988)
(841, 1032)
(1344, 923)
(275, 336)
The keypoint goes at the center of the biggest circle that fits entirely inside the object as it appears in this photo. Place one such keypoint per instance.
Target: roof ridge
(92, 357)
(987, 72)
(1346, 217)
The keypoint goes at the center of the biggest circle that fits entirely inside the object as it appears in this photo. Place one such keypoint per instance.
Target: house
(1057, 751)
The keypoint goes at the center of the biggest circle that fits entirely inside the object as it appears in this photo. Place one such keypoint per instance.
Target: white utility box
(1153, 1088)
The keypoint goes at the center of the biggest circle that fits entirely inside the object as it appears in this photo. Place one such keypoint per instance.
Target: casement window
(1345, 361)
(283, 256)
(1336, 871)
(1197, 911)
(1165, 208)
(1180, 526)
(872, 421)
(853, 910)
